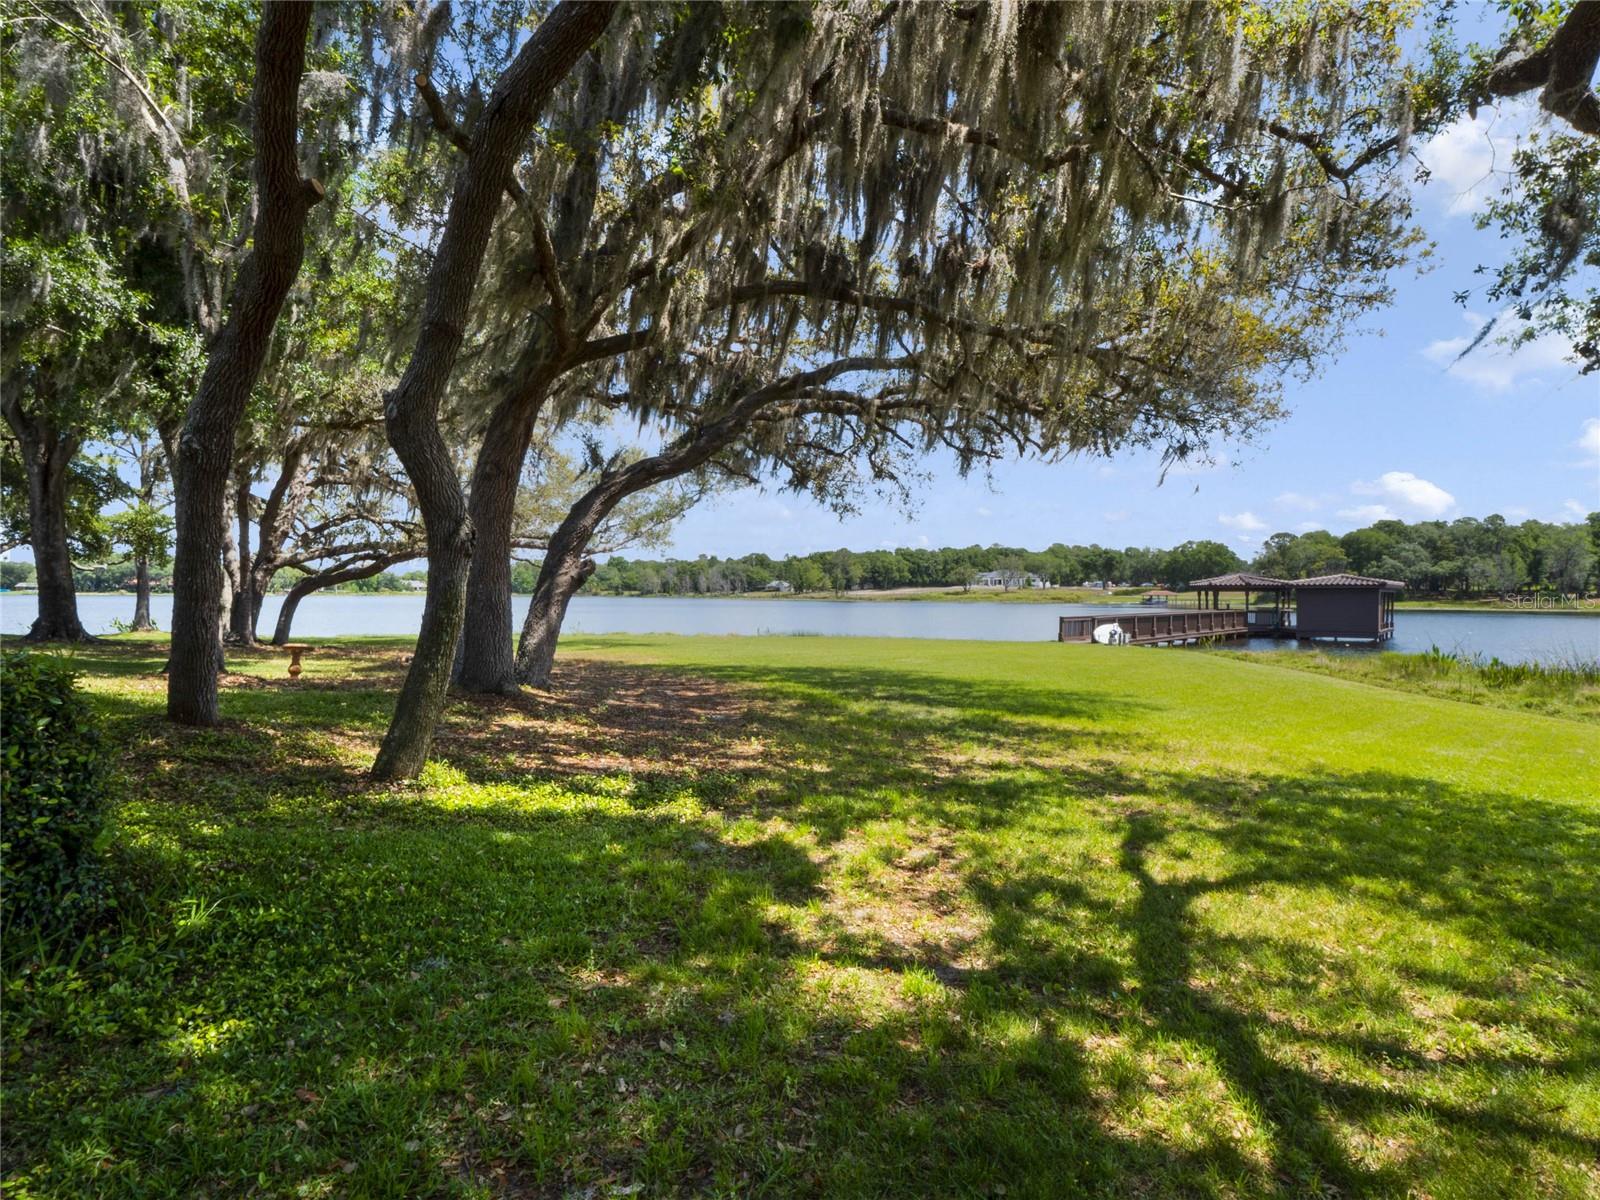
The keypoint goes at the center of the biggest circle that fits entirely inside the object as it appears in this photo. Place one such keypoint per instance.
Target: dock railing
(1158, 628)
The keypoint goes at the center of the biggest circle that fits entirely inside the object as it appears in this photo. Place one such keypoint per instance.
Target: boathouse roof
(1240, 579)
(1346, 580)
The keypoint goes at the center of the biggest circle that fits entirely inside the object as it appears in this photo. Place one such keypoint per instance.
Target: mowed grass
(801, 916)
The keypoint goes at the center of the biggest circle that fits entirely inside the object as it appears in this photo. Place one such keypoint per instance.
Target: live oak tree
(817, 240)
(337, 515)
(144, 528)
(204, 465)
(106, 255)
(313, 429)
(1548, 207)
(980, 180)
(411, 409)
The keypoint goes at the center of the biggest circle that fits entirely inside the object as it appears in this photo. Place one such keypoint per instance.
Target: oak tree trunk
(57, 620)
(285, 500)
(412, 409)
(241, 612)
(230, 572)
(565, 568)
(141, 596)
(205, 446)
(484, 660)
(291, 601)
(46, 457)
(485, 663)
(541, 629)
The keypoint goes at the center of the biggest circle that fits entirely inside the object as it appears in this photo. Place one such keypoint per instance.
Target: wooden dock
(1161, 629)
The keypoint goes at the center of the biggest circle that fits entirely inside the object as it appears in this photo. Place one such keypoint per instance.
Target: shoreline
(957, 595)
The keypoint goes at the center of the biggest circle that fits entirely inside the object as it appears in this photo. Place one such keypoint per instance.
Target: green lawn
(804, 916)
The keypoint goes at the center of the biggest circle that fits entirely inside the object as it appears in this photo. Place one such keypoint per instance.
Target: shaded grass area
(827, 917)
(1569, 688)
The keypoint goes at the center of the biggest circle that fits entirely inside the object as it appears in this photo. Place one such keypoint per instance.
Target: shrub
(53, 795)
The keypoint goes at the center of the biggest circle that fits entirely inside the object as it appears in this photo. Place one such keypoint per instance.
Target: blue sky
(1392, 427)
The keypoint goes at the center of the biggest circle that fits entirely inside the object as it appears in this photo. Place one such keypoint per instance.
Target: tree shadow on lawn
(590, 979)
(1308, 1110)
(1484, 868)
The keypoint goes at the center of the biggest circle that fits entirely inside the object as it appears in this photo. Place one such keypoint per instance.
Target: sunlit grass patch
(818, 917)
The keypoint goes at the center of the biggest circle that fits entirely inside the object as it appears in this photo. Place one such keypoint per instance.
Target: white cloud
(1493, 366)
(1407, 492)
(1366, 514)
(1117, 514)
(1297, 501)
(1466, 159)
(984, 510)
(1573, 509)
(1306, 527)
(1589, 442)
(1244, 522)
(1105, 472)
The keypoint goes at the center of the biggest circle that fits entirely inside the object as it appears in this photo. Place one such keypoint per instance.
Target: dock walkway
(1160, 629)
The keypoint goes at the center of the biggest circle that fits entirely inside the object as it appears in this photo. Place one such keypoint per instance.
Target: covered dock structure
(1345, 607)
(1268, 603)
(1341, 607)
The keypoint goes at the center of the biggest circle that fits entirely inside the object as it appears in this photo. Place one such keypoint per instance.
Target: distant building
(779, 585)
(417, 585)
(1008, 579)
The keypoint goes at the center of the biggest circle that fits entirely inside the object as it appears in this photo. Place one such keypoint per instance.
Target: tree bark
(566, 567)
(284, 502)
(1562, 69)
(141, 596)
(205, 447)
(541, 629)
(485, 663)
(230, 572)
(412, 409)
(241, 612)
(46, 458)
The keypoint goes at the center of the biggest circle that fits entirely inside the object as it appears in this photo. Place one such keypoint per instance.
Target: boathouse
(1346, 608)
(1356, 608)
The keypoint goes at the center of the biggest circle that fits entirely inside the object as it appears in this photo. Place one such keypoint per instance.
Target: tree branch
(1564, 67)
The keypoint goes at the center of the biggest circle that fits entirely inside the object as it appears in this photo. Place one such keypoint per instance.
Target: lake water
(1512, 637)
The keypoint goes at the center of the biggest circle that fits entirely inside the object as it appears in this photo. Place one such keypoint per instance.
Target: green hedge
(53, 795)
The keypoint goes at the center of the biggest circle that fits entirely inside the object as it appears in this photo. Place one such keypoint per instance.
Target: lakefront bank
(1532, 636)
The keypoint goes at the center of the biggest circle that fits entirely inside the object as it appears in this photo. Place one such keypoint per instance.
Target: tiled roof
(1239, 579)
(1346, 580)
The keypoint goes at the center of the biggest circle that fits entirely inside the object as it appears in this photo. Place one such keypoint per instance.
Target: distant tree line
(1466, 557)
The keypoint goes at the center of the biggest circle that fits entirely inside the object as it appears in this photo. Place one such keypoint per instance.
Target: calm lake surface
(1512, 637)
